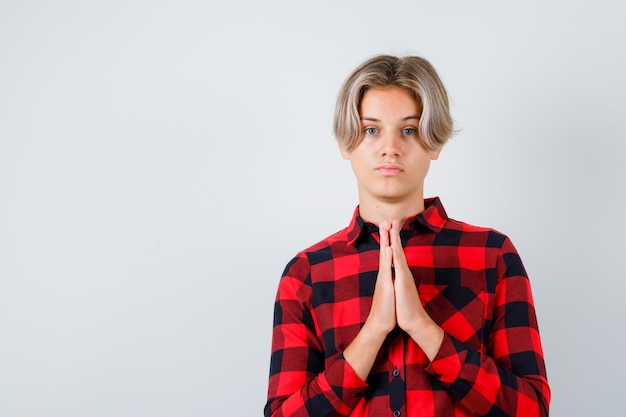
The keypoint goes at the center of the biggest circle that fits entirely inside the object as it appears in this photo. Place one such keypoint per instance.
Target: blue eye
(370, 131)
(409, 131)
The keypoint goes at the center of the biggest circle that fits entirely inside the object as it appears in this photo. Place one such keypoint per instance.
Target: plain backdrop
(161, 162)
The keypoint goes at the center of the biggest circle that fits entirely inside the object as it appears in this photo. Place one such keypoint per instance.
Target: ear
(344, 153)
(434, 155)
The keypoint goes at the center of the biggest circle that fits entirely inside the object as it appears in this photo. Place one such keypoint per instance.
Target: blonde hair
(412, 73)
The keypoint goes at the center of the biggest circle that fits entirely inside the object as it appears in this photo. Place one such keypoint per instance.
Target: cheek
(420, 166)
(360, 167)
(357, 168)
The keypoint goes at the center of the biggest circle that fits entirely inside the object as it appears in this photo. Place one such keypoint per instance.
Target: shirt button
(396, 413)
(396, 372)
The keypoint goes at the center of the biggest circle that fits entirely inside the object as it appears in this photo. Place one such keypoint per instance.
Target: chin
(392, 197)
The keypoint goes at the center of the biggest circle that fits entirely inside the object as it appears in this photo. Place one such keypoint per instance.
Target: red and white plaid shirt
(472, 283)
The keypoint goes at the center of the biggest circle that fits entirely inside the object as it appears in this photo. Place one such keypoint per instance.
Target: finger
(386, 255)
(383, 229)
(396, 244)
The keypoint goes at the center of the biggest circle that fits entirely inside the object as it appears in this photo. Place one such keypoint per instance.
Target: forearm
(477, 381)
(303, 379)
(487, 386)
(332, 392)
(428, 335)
(336, 389)
(506, 375)
(362, 352)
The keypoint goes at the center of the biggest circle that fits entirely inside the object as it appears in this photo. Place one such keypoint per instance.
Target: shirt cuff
(344, 382)
(447, 364)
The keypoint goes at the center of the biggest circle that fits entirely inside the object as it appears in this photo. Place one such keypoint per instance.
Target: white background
(161, 162)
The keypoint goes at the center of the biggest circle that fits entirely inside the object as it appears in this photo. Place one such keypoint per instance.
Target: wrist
(375, 332)
(429, 337)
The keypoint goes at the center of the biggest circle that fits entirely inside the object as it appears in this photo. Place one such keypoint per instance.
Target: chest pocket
(459, 310)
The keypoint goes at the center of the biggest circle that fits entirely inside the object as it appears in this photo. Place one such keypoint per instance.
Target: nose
(390, 144)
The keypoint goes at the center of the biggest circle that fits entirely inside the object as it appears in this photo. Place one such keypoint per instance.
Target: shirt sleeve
(510, 379)
(302, 381)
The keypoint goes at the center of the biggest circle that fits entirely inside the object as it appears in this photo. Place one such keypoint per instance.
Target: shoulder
(496, 247)
(466, 234)
(324, 250)
(479, 248)
(452, 232)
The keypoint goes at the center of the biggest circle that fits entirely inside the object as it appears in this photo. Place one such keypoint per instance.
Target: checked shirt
(472, 283)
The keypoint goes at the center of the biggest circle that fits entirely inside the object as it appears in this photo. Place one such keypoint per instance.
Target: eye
(370, 131)
(409, 131)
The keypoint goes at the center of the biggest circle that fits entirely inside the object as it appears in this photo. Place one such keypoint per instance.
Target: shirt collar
(433, 217)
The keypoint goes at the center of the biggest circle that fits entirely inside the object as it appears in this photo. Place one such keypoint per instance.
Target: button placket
(397, 385)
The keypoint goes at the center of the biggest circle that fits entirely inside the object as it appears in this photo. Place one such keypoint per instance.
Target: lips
(390, 169)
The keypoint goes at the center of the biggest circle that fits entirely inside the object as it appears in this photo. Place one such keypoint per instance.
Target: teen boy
(406, 312)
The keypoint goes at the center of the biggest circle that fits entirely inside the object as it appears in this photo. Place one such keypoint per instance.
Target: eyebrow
(373, 119)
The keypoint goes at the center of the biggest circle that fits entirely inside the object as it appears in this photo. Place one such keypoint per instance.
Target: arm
(411, 315)
(362, 352)
(302, 381)
(511, 378)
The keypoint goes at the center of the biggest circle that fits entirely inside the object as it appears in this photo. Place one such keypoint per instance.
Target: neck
(379, 211)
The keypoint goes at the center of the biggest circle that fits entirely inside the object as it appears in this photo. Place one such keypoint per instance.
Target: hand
(410, 314)
(409, 310)
(382, 316)
(363, 350)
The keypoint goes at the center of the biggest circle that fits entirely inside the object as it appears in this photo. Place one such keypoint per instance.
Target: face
(389, 161)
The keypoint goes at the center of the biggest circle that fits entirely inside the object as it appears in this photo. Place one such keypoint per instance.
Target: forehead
(389, 102)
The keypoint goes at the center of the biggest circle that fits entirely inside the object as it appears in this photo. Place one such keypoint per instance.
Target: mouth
(390, 169)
